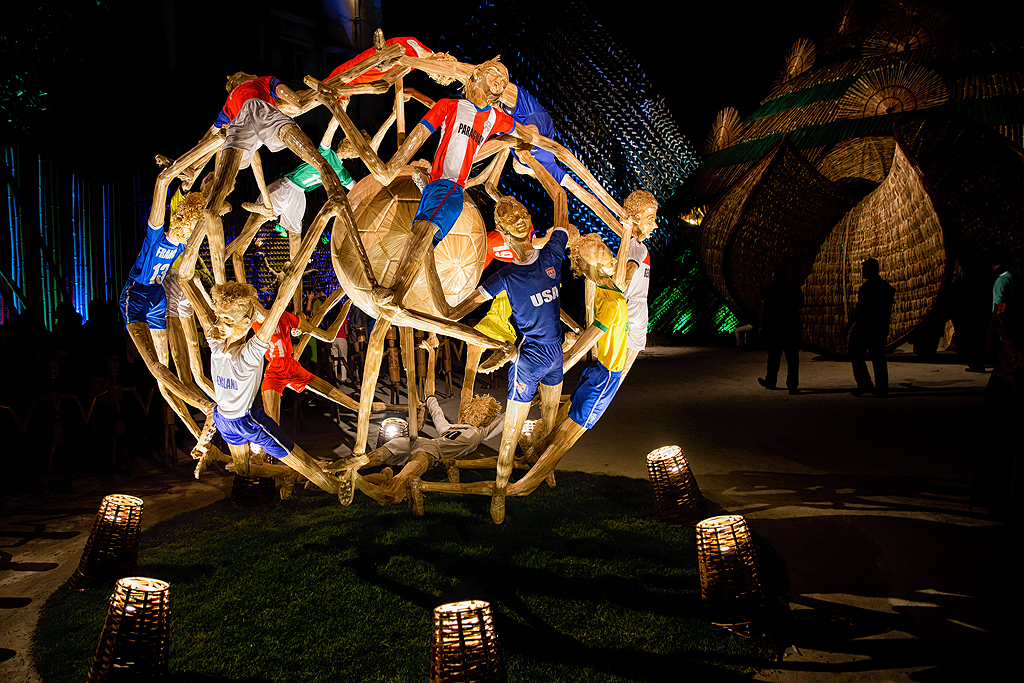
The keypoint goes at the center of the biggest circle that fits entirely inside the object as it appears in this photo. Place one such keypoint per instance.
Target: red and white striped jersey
(463, 129)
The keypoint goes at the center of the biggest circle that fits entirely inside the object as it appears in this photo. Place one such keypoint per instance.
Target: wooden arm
(582, 345)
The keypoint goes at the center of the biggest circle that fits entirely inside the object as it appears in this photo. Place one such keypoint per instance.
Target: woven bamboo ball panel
(784, 221)
(136, 634)
(464, 644)
(868, 157)
(677, 498)
(252, 492)
(112, 550)
(384, 216)
(975, 178)
(729, 584)
(896, 224)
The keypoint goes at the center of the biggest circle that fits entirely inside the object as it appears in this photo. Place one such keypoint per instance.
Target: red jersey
(262, 88)
(463, 129)
(281, 342)
(413, 48)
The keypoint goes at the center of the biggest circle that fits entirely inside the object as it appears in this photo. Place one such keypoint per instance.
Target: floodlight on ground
(392, 428)
(729, 584)
(134, 642)
(464, 644)
(112, 550)
(677, 498)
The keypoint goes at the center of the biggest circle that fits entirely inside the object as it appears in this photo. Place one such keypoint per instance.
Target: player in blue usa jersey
(144, 304)
(532, 282)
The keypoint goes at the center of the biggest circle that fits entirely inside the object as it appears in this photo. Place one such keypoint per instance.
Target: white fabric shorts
(637, 339)
(257, 123)
(289, 202)
(178, 305)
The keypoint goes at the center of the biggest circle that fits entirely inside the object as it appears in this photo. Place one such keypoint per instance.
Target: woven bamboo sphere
(385, 216)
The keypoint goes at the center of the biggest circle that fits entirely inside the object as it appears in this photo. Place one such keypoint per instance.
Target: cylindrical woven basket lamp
(112, 550)
(392, 428)
(134, 642)
(729, 583)
(677, 498)
(464, 645)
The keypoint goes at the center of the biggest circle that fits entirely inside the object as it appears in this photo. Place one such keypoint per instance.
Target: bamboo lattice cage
(729, 583)
(677, 498)
(134, 642)
(464, 644)
(112, 550)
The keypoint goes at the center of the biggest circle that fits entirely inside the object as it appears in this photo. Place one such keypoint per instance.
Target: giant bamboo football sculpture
(381, 244)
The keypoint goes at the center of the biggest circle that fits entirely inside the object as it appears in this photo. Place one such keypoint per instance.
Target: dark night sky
(119, 108)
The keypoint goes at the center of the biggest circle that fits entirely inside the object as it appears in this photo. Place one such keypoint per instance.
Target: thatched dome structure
(898, 138)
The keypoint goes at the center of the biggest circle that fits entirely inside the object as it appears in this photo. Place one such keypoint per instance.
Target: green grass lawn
(585, 583)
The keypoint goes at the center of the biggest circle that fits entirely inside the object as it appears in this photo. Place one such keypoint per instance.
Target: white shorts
(637, 339)
(178, 305)
(257, 123)
(289, 202)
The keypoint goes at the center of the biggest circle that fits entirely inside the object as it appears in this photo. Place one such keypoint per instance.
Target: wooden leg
(272, 405)
(515, 416)
(567, 434)
(236, 250)
(301, 462)
(409, 361)
(371, 369)
(473, 354)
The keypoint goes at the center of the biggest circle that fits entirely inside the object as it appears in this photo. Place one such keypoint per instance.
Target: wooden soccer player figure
(601, 379)
(237, 366)
(284, 371)
(639, 222)
(532, 283)
(253, 118)
(416, 455)
(144, 303)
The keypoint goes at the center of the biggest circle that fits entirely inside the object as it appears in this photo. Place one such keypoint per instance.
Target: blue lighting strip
(15, 266)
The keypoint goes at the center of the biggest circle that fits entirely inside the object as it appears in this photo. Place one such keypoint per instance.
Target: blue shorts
(545, 127)
(595, 390)
(144, 304)
(441, 205)
(254, 427)
(536, 364)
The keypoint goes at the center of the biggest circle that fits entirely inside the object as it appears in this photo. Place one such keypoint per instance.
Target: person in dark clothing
(781, 302)
(870, 330)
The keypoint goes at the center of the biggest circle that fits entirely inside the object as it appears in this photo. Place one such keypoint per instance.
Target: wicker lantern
(464, 645)
(112, 550)
(134, 642)
(729, 583)
(677, 498)
(392, 428)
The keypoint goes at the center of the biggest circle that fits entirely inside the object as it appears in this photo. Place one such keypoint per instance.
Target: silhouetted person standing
(781, 302)
(870, 323)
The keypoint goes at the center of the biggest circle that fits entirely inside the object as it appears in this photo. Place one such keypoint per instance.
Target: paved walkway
(891, 576)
